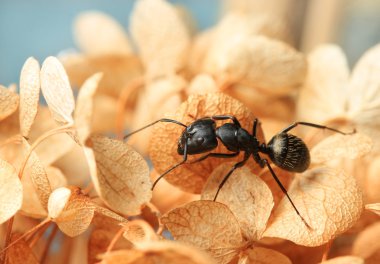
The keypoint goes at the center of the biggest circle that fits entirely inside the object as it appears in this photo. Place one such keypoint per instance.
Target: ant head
(289, 152)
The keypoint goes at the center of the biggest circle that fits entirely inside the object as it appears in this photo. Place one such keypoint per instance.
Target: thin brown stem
(37, 236)
(88, 188)
(327, 250)
(8, 237)
(115, 239)
(48, 243)
(125, 95)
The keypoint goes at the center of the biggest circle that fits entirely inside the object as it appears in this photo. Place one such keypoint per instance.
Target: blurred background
(41, 28)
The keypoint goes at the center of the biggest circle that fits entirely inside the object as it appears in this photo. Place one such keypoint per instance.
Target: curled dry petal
(9, 102)
(208, 225)
(57, 91)
(163, 146)
(264, 63)
(10, 191)
(84, 107)
(161, 36)
(344, 260)
(373, 207)
(29, 94)
(329, 201)
(158, 252)
(263, 256)
(247, 196)
(109, 213)
(71, 210)
(122, 175)
(323, 95)
(138, 231)
(341, 146)
(98, 34)
(367, 244)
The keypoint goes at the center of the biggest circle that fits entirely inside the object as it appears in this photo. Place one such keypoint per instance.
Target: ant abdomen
(289, 152)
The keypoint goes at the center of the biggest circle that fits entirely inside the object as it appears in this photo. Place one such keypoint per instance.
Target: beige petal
(324, 93)
(108, 213)
(57, 91)
(71, 210)
(98, 34)
(161, 37)
(201, 84)
(163, 146)
(10, 191)
(122, 174)
(84, 108)
(9, 102)
(367, 244)
(329, 201)
(364, 89)
(29, 94)
(208, 225)
(257, 61)
(262, 255)
(373, 207)
(118, 70)
(138, 231)
(158, 252)
(345, 260)
(247, 196)
(341, 146)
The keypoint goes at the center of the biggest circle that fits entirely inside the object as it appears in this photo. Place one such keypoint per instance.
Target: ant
(285, 150)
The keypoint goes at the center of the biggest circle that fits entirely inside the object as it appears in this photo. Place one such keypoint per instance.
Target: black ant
(285, 150)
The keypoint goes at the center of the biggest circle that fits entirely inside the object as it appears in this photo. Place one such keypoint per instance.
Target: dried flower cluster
(64, 168)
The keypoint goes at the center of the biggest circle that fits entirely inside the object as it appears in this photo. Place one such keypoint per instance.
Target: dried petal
(161, 36)
(367, 244)
(10, 191)
(158, 252)
(29, 94)
(38, 176)
(323, 96)
(109, 213)
(117, 71)
(345, 260)
(247, 196)
(263, 256)
(84, 110)
(201, 84)
(341, 146)
(373, 207)
(138, 231)
(97, 34)
(8, 102)
(330, 202)
(364, 89)
(20, 252)
(122, 175)
(56, 89)
(208, 225)
(255, 60)
(163, 146)
(71, 210)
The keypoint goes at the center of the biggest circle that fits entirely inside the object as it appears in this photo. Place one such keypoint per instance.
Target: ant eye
(199, 140)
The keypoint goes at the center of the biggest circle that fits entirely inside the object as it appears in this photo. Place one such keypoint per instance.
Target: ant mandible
(285, 150)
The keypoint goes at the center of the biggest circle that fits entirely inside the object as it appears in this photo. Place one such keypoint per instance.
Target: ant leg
(254, 129)
(316, 126)
(216, 155)
(172, 168)
(237, 165)
(155, 122)
(225, 117)
(264, 162)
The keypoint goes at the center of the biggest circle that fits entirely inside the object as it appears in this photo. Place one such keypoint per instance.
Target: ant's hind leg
(153, 123)
(285, 130)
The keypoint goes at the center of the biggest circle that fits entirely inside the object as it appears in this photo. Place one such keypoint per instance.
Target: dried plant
(68, 172)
